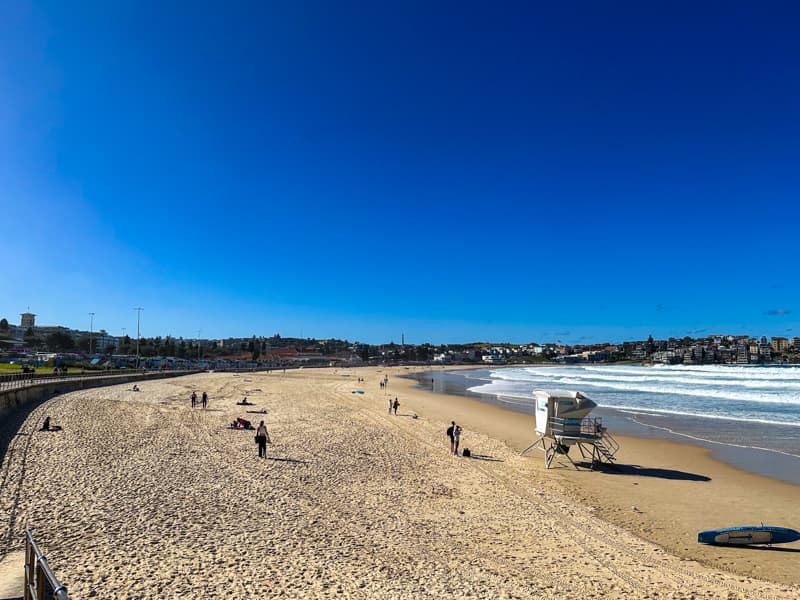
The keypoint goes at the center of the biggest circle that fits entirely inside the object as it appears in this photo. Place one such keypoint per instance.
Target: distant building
(704, 354)
(103, 340)
(665, 357)
(726, 355)
(494, 359)
(27, 320)
(742, 353)
(689, 355)
(779, 344)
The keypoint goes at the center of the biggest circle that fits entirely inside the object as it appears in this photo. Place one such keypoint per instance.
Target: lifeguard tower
(562, 422)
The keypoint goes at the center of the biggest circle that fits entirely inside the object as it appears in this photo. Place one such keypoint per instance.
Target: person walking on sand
(390, 406)
(205, 399)
(450, 435)
(456, 439)
(194, 399)
(395, 405)
(262, 437)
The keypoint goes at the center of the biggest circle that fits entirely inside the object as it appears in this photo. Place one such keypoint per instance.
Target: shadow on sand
(619, 469)
(11, 421)
(289, 460)
(485, 457)
(770, 548)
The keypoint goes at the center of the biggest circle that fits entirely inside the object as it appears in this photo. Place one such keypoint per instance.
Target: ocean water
(746, 415)
(769, 395)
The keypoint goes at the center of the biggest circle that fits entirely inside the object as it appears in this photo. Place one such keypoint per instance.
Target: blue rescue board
(751, 534)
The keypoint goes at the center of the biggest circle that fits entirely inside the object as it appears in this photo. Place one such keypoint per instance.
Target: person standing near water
(395, 405)
(390, 406)
(456, 439)
(262, 437)
(450, 435)
(194, 399)
(205, 399)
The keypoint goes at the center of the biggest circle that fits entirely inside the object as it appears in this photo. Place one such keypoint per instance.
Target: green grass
(6, 368)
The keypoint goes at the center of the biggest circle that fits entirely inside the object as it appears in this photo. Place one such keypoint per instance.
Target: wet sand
(143, 497)
(679, 489)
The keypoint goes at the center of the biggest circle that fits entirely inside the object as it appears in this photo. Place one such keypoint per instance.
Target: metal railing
(588, 427)
(21, 380)
(40, 581)
(590, 431)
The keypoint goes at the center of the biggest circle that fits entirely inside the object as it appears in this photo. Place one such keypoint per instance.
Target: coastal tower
(27, 320)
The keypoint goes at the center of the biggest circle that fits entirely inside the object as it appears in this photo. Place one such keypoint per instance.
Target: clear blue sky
(580, 171)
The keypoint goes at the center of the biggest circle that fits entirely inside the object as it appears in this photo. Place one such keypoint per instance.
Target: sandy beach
(142, 496)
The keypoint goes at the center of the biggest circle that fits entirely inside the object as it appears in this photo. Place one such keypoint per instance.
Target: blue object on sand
(357, 392)
(751, 534)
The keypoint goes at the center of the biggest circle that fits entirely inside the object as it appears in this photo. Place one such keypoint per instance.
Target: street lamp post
(91, 328)
(138, 310)
(198, 345)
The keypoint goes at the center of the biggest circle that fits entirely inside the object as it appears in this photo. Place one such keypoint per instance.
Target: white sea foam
(712, 441)
(768, 395)
(751, 418)
(707, 371)
(773, 397)
(722, 394)
(699, 381)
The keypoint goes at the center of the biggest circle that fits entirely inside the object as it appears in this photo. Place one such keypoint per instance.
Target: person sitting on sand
(46, 426)
(135, 388)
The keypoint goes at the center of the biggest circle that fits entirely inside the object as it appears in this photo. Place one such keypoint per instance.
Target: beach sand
(143, 497)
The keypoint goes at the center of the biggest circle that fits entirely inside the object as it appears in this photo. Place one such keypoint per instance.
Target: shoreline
(679, 488)
(773, 463)
(355, 502)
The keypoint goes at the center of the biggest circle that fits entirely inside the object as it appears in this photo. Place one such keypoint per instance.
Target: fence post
(40, 581)
(26, 594)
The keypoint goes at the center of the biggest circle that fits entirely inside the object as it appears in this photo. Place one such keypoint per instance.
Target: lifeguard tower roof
(561, 404)
(562, 394)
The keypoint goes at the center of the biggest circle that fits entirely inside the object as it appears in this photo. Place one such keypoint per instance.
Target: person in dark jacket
(450, 431)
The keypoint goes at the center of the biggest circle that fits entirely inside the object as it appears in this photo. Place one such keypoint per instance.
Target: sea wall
(14, 398)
